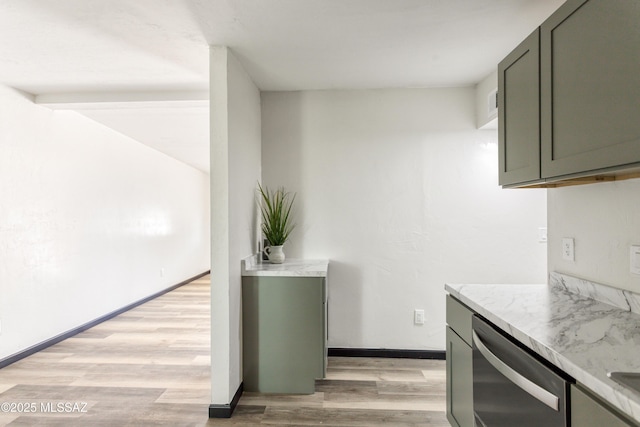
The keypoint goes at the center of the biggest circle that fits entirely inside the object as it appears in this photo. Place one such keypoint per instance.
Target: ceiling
(141, 67)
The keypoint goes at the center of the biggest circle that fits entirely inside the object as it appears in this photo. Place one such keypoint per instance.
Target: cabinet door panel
(519, 113)
(459, 318)
(459, 381)
(283, 336)
(590, 87)
(587, 412)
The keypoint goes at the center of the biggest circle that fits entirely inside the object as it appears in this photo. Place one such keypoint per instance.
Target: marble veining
(623, 299)
(584, 337)
(289, 268)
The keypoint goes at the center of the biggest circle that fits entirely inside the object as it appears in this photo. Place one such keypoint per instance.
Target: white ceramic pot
(275, 254)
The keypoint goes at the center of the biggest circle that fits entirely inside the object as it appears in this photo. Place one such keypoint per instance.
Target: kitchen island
(585, 329)
(284, 324)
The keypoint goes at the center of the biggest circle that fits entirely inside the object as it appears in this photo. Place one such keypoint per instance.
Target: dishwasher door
(511, 387)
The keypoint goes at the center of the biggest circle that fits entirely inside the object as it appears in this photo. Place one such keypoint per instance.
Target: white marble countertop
(584, 337)
(289, 268)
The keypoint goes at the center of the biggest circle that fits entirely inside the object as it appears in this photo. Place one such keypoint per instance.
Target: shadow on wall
(345, 284)
(288, 157)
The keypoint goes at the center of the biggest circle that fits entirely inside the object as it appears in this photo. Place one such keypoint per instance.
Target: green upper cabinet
(588, 96)
(590, 62)
(519, 113)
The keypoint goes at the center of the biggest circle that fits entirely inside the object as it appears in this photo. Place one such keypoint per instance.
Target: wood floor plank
(363, 374)
(345, 417)
(150, 366)
(426, 388)
(181, 395)
(287, 400)
(350, 386)
(384, 363)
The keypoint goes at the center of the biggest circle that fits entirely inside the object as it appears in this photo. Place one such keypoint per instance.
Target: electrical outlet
(568, 250)
(634, 261)
(418, 317)
(162, 272)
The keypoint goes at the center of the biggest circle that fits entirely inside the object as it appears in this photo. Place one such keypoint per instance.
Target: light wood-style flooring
(150, 367)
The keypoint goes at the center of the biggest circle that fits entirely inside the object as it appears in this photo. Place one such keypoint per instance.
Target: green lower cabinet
(284, 333)
(459, 381)
(586, 411)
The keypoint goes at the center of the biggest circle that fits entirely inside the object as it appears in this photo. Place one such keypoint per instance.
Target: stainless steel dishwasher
(511, 387)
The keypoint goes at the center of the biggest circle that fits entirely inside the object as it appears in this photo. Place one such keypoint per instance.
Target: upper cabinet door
(519, 113)
(590, 86)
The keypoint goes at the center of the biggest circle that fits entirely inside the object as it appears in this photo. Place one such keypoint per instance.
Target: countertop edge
(290, 268)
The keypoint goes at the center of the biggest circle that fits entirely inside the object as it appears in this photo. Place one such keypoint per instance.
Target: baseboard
(225, 411)
(385, 352)
(63, 336)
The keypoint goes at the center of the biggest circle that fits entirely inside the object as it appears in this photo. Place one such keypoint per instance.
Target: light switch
(635, 259)
(542, 234)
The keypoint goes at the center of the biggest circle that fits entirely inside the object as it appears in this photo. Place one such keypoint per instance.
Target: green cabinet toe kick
(284, 333)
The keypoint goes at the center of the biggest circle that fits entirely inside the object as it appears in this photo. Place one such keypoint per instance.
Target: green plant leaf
(275, 207)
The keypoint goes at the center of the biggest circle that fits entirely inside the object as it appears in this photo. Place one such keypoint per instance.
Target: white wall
(400, 191)
(604, 220)
(235, 166)
(88, 218)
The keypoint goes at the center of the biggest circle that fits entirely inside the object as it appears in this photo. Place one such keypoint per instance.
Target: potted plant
(275, 206)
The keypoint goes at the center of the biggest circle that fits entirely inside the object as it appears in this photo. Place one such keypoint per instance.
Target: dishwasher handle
(544, 396)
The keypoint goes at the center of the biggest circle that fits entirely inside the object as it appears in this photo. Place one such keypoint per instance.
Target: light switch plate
(542, 234)
(634, 261)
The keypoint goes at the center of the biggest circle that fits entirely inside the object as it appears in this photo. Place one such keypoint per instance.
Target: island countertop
(289, 268)
(567, 324)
